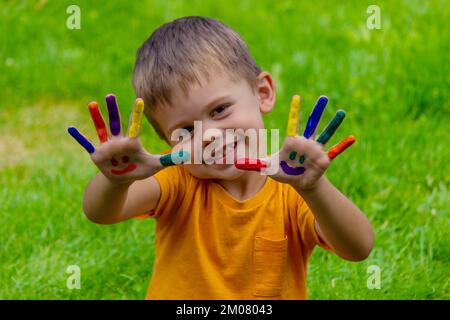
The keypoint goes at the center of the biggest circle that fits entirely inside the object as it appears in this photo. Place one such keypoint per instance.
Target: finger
(81, 139)
(250, 164)
(340, 147)
(293, 119)
(174, 158)
(114, 115)
(136, 118)
(331, 127)
(315, 117)
(99, 123)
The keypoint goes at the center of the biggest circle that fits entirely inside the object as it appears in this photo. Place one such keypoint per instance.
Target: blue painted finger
(81, 139)
(314, 118)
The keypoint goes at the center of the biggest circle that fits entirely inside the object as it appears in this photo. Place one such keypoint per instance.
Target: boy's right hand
(120, 158)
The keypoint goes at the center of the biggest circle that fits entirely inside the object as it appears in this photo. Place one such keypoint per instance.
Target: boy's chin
(215, 171)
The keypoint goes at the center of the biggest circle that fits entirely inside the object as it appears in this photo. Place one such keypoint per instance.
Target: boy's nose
(212, 134)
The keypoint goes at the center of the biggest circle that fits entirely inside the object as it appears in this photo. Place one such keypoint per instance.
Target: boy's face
(220, 103)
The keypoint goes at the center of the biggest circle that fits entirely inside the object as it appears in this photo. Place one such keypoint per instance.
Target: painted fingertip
(99, 123)
(181, 156)
(81, 139)
(136, 117)
(110, 97)
(174, 158)
(295, 102)
(314, 118)
(73, 132)
(139, 105)
(322, 99)
(341, 113)
(341, 147)
(92, 105)
(331, 128)
(113, 112)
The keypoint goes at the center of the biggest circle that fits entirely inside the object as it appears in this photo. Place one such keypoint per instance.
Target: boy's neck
(244, 187)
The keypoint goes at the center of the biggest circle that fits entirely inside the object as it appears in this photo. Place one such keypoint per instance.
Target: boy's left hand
(302, 159)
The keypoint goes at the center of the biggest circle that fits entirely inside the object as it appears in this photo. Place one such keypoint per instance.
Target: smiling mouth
(127, 169)
(226, 150)
(292, 171)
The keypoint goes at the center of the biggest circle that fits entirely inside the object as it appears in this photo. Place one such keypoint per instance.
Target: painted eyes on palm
(120, 169)
(293, 171)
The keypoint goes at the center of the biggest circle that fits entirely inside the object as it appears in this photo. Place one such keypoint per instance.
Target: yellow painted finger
(294, 113)
(136, 117)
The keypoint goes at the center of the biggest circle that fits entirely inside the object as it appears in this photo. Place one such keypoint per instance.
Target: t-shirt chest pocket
(269, 266)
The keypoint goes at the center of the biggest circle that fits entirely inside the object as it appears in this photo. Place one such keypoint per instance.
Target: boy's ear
(265, 90)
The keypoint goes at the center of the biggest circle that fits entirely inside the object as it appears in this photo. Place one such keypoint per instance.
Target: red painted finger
(340, 147)
(99, 123)
(250, 164)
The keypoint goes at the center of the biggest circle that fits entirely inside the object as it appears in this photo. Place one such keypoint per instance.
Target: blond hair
(179, 53)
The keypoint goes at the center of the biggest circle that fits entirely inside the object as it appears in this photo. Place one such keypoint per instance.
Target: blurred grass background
(393, 83)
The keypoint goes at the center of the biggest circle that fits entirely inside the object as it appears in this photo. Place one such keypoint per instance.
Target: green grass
(392, 82)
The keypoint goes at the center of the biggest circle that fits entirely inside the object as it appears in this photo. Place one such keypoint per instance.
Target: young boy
(222, 232)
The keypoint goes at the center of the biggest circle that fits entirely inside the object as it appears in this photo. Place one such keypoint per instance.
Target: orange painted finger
(99, 123)
(340, 147)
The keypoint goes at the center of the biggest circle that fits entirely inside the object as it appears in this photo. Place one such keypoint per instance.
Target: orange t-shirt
(211, 246)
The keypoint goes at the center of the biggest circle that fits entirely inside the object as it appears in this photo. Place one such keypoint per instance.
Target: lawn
(393, 83)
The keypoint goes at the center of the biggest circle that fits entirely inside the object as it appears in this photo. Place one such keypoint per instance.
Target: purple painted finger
(114, 115)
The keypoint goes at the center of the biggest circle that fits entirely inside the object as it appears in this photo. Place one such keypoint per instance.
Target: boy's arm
(125, 187)
(302, 162)
(107, 202)
(338, 221)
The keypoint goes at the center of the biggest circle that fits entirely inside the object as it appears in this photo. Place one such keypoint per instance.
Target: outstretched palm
(302, 160)
(122, 158)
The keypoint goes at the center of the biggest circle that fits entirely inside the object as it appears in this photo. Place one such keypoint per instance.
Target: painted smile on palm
(125, 159)
(293, 171)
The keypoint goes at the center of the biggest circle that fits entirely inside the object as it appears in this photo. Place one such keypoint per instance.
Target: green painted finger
(331, 128)
(174, 158)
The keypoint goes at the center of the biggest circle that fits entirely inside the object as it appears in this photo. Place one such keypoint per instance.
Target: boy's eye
(219, 110)
(189, 128)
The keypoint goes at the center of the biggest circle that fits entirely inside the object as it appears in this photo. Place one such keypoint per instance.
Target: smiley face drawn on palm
(125, 160)
(122, 158)
(302, 159)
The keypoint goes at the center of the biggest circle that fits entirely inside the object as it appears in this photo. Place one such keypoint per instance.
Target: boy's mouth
(226, 150)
